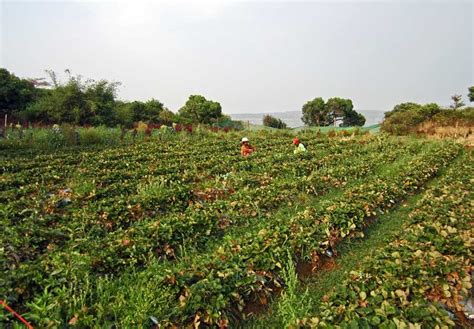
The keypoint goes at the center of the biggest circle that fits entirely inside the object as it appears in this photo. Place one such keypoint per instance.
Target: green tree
(339, 108)
(457, 102)
(270, 121)
(100, 97)
(15, 94)
(200, 110)
(319, 113)
(124, 115)
(148, 111)
(471, 94)
(315, 113)
(63, 104)
(76, 102)
(138, 110)
(153, 108)
(403, 107)
(352, 118)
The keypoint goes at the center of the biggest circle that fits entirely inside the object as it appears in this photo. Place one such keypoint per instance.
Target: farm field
(411, 267)
(422, 273)
(186, 233)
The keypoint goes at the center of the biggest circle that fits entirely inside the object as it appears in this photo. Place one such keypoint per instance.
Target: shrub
(463, 117)
(405, 117)
(99, 135)
(270, 121)
(70, 135)
(90, 136)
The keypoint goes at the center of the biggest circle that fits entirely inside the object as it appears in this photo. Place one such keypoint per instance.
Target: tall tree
(352, 118)
(315, 113)
(153, 108)
(319, 113)
(76, 101)
(63, 104)
(100, 97)
(457, 102)
(15, 93)
(471, 94)
(338, 108)
(148, 111)
(124, 115)
(200, 110)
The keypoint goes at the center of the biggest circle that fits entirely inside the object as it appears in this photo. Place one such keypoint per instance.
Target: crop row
(206, 221)
(209, 288)
(422, 274)
(35, 224)
(111, 184)
(38, 233)
(110, 175)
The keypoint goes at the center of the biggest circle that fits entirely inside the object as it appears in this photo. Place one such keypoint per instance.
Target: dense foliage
(318, 113)
(75, 102)
(15, 93)
(189, 233)
(199, 109)
(85, 102)
(406, 118)
(270, 121)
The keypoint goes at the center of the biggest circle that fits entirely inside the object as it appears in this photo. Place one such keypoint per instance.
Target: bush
(464, 117)
(99, 135)
(90, 136)
(402, 123)
(405, 117)
(70, 135)
(410, 118)
(270, 121)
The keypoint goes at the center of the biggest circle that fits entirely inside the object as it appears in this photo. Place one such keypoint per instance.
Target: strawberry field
(423, 276)
(187, 233)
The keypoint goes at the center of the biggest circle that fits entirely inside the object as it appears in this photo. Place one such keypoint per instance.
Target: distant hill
(293, 118)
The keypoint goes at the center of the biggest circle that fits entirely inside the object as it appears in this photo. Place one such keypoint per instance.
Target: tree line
(84, 102)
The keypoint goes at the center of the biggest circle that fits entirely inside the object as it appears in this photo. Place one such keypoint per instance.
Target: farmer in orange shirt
(246, 148)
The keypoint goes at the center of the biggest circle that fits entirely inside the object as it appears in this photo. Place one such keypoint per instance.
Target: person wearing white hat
(246, 149)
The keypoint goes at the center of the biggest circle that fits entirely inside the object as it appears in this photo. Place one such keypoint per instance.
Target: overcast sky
(252, 56)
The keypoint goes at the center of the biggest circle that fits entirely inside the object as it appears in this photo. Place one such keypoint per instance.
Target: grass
(461, 133)
(293, 304)
(374, 129)
(301, 297)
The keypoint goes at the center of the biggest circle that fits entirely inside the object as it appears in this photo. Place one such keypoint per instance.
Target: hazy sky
(252, 56)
